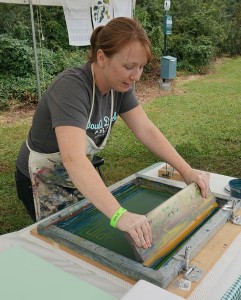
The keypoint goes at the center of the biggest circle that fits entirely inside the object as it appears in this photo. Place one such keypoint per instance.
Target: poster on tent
(123, 8)
(78, 21)
(102, 12)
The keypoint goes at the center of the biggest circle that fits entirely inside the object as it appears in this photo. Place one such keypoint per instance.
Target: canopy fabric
(35, 2)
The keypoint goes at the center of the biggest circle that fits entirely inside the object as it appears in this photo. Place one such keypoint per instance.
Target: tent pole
(35, 48)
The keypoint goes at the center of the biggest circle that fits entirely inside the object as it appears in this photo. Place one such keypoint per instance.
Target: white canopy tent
(34, 2)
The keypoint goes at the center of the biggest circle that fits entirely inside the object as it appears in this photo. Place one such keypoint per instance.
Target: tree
(232, 43)
(201, 29)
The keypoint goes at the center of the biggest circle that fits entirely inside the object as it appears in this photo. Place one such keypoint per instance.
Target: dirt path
(145, 90)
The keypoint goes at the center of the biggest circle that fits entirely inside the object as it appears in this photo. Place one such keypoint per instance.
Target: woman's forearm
(88, 182)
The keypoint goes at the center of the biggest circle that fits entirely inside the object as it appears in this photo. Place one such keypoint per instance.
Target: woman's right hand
(138, 227)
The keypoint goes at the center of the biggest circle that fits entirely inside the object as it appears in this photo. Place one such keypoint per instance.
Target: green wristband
(115, 218)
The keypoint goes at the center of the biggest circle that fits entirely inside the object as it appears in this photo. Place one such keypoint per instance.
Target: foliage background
(202, 31)
(201, 118)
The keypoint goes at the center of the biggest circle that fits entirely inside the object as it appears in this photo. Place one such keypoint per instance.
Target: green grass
(202, 120)
(12, 213)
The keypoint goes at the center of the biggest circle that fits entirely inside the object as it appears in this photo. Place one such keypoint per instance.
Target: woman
(73, 121)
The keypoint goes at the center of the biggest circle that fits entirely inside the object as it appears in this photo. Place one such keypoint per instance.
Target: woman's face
(124, 68)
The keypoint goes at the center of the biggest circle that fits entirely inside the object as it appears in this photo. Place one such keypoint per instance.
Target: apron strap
(89, 140)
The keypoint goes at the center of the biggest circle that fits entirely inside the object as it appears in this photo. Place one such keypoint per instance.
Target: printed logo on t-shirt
(100, 128)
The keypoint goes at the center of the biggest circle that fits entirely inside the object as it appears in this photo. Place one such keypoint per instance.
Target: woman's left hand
(200, 178)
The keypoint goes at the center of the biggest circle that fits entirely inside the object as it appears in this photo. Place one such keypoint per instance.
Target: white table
(111, 284)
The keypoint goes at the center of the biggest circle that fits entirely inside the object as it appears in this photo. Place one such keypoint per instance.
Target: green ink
(95, 227)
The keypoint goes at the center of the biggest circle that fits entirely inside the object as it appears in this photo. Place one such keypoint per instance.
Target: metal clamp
(233, 218)
(236, 220)
(192, 273)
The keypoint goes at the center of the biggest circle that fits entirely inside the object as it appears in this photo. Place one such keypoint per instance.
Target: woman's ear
(101, 58)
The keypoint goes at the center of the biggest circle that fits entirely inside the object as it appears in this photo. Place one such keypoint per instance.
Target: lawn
(201, 118)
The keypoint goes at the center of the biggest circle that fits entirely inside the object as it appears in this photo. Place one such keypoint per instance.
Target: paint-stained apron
(53, 190)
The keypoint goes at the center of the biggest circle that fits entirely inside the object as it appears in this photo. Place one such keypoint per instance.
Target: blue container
(235, 188)
(168, 67)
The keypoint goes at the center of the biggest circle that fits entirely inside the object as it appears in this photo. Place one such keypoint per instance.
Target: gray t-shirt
(67, 102)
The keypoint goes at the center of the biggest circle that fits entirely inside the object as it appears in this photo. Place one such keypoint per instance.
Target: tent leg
(35, 48)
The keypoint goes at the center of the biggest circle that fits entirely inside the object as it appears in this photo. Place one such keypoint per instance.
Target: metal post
(165, 45)
(35, 48)
(165, 48)
(167, 3)
(165, 42)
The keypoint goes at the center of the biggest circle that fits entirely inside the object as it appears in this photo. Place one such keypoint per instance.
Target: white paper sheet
(78, 20)
(144, 290)
(24, 275)
(123, 8)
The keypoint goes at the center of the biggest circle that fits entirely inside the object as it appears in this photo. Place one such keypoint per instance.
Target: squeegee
(173, 221)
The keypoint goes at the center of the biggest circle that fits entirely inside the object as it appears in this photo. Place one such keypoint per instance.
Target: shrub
(16, 56)
(193, 54)
(24, 88)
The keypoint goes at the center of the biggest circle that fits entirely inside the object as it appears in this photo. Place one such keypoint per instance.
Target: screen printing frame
(119, 265)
